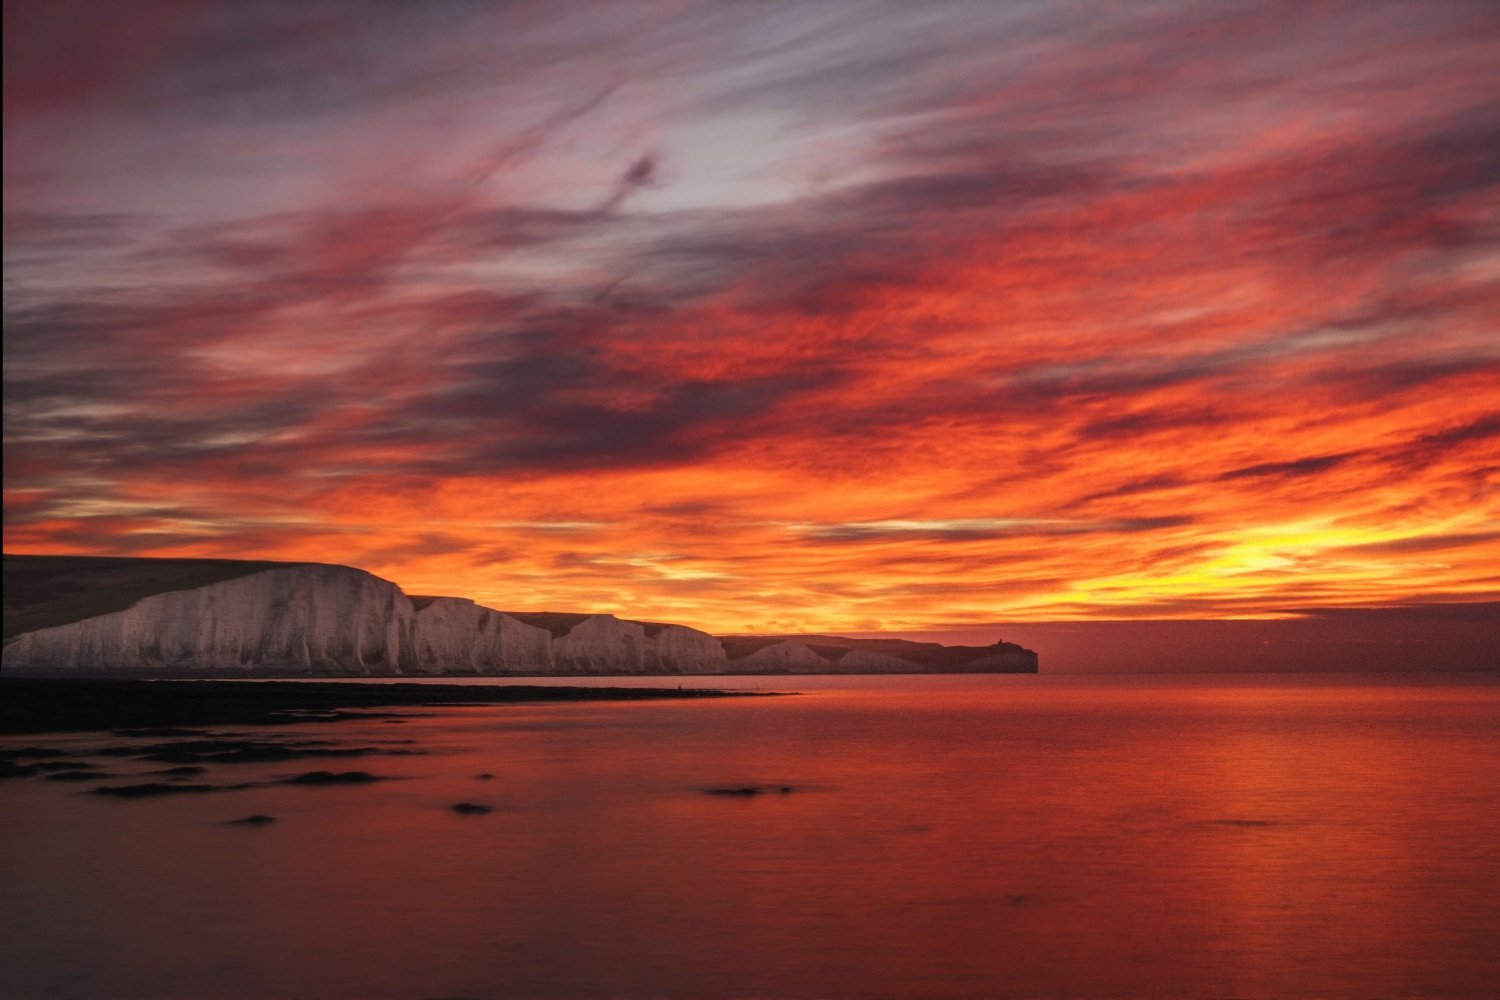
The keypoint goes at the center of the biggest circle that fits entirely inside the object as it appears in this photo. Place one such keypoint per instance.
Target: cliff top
(46, 591)
(559, 623)
(929, 655)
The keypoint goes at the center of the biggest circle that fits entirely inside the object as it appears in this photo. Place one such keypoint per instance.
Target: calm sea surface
(1009, 836)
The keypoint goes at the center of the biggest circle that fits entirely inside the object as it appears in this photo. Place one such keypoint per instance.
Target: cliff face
(677, 649)
(604, 644)
(863, 661)
(782, 658)
(600, 644)
(455, 635)
(1009, 661)
(304, 618)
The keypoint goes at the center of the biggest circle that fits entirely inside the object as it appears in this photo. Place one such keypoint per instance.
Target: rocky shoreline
(40, 705)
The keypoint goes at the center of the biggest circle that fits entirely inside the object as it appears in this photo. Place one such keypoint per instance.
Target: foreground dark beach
(38, 705)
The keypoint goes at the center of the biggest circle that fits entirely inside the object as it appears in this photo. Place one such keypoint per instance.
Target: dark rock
(331, 778)
(185, 771)
(486, 776)
(155, 788)
(18, 753)
(38, 705)
(244, 755)
(80, 776)
(256, 820)
(748, 790)
(159, 731)
(471, 809)
(234, 751)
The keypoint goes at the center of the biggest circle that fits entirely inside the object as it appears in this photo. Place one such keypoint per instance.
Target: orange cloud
(1187, 315)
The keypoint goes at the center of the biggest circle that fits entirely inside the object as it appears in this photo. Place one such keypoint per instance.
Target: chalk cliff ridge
(149, 617)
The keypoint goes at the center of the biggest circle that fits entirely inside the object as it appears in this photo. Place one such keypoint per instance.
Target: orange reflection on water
(946, 837)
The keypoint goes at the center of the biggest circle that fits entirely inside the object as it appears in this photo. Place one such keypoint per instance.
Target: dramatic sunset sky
(766, 316)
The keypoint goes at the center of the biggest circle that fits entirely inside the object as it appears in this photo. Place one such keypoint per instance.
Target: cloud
(968, 529)
(1295, 468)
(1425, 543)
(642, 173)
(1180, 307)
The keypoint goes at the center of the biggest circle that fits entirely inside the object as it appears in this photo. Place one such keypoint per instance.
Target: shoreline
(31, 705)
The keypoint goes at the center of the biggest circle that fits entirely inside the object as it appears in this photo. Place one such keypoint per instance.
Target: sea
(1028, 836)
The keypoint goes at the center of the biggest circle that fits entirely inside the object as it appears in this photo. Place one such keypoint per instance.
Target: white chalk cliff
(334, 620)
(783, 657)
(862, 661)
(455, 635)
(302, 619)
(677, 649)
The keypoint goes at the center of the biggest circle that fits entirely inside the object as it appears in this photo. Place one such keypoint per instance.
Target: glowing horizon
(793, 319)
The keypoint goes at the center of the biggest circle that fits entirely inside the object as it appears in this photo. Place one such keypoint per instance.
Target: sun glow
(792, 341)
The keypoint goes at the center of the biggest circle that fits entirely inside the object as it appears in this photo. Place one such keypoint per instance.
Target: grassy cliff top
(46, 591)
(559, 623)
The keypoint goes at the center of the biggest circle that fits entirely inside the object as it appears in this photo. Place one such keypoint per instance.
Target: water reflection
(974, 837)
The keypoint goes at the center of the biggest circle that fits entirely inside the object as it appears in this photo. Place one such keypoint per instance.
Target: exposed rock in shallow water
(38, 705)
(332, 778)
(256, 820)
(254, 753)
(156, 788)
(232, 751)
(21, 753)
(160, 732)
(471, 809)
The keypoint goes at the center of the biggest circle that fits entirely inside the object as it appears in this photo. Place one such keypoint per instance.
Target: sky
(767, 317)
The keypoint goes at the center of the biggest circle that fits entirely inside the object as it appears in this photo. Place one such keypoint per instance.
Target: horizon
(940, 319)
(1413, 638)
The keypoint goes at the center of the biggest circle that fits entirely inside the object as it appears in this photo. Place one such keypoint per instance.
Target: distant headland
(82, 615)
